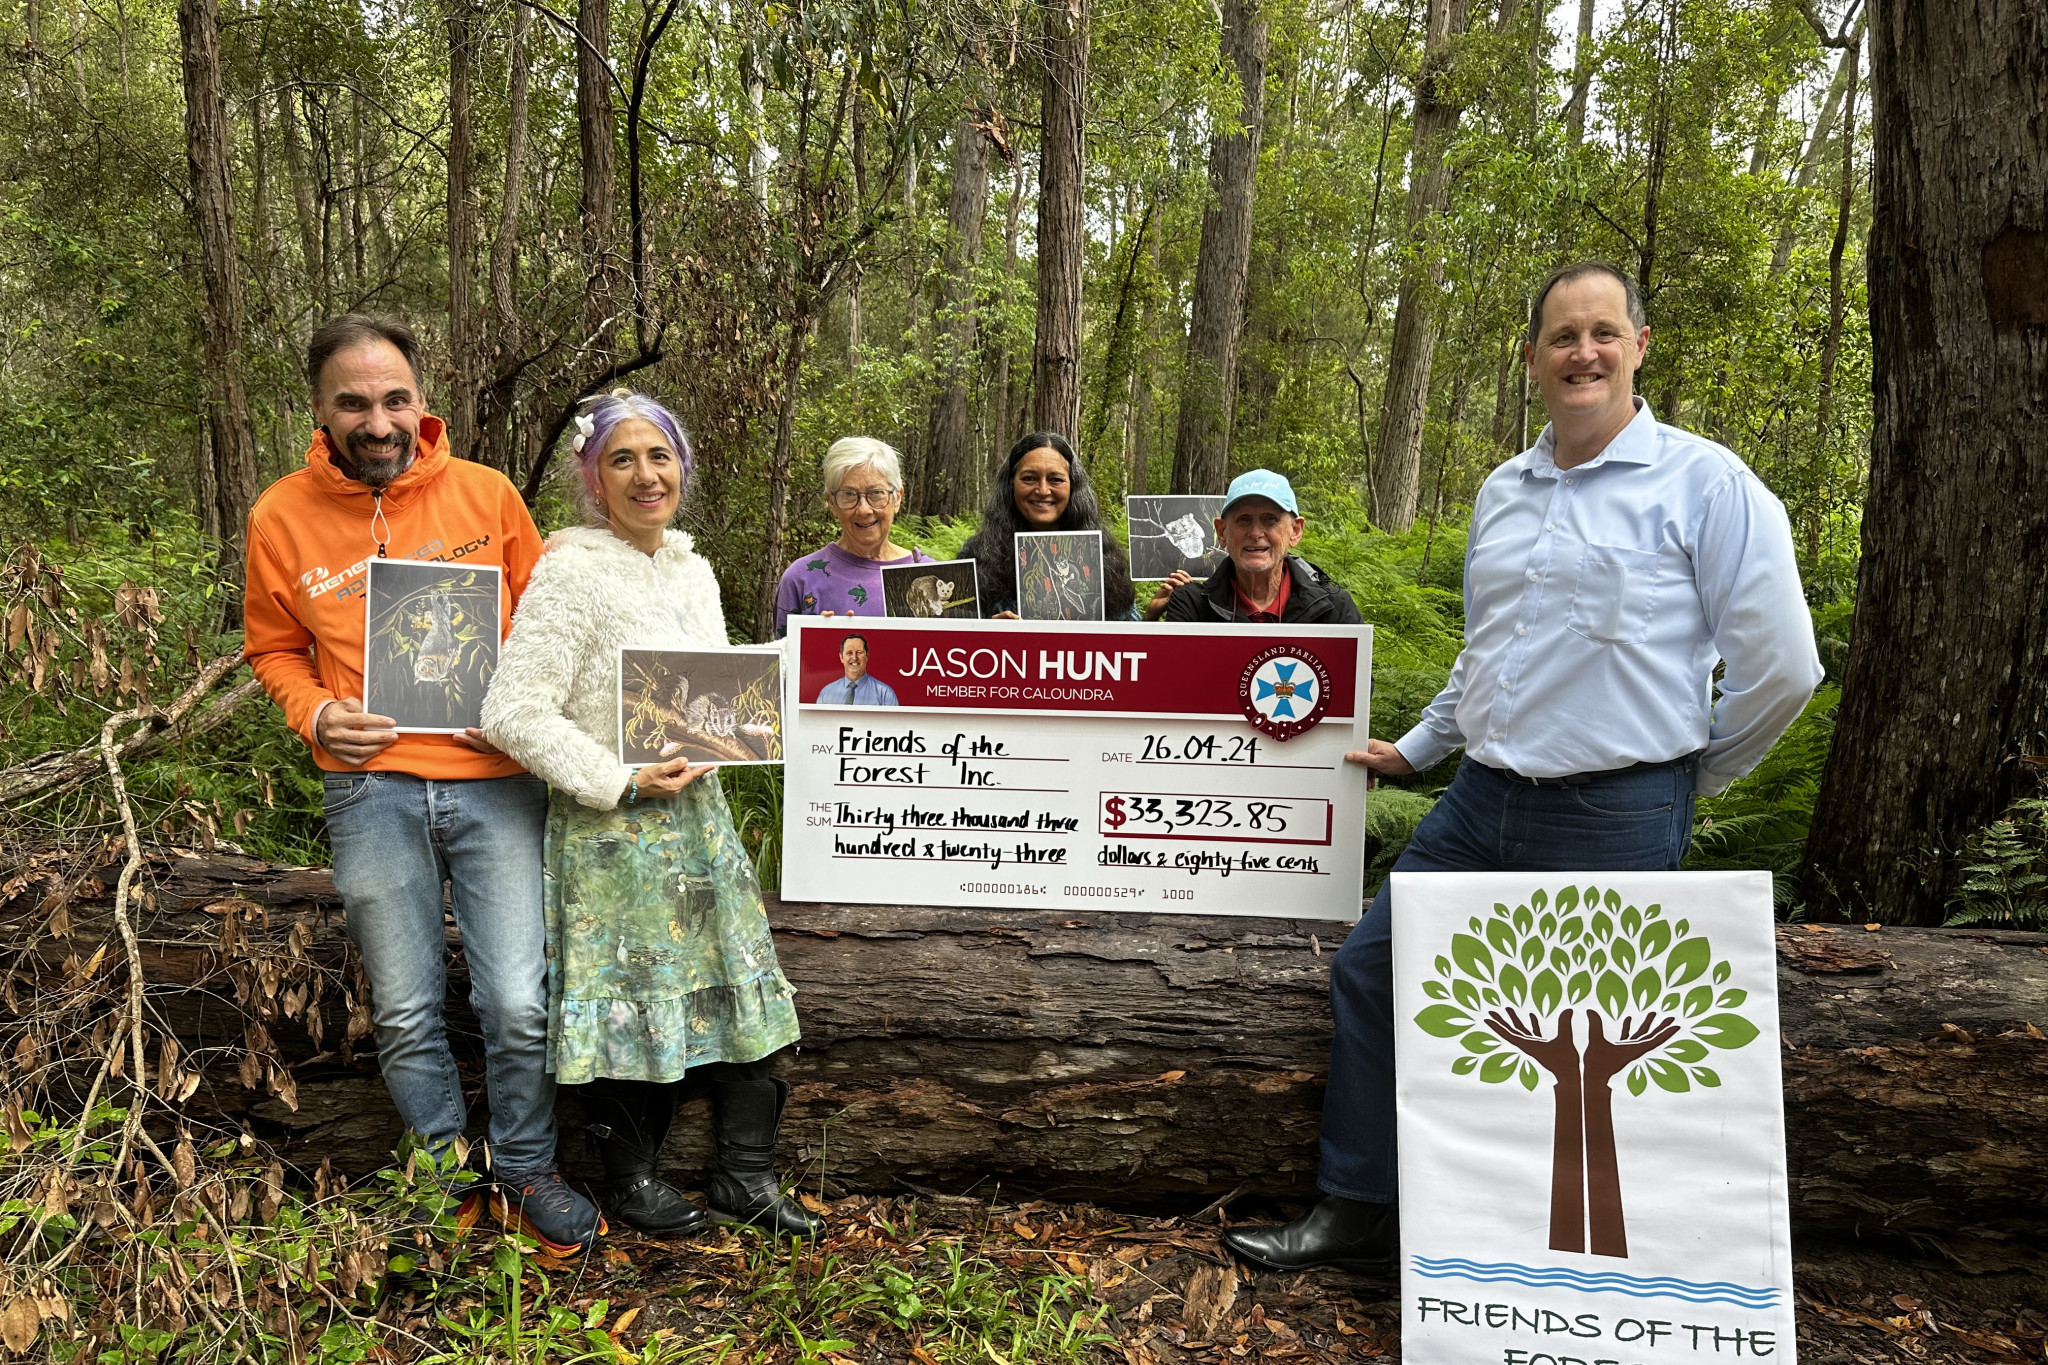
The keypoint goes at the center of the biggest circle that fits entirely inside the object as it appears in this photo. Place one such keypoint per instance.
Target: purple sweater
(833, 580)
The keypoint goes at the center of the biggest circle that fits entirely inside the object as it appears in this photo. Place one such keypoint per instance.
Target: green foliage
(113, 619)
(1391, 815)
(1581, 947)
(957, 1306)
(1761, 821)
(2007, 863)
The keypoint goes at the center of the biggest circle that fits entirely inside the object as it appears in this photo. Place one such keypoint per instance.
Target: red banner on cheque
(1104, 669)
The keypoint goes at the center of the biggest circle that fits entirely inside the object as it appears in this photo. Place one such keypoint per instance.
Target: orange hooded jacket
(310, 543)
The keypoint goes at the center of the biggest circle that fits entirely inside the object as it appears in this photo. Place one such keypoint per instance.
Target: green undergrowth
(204, 1253)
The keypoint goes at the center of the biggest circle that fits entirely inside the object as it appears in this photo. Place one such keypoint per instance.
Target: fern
(1762, 820)
(2008, 871)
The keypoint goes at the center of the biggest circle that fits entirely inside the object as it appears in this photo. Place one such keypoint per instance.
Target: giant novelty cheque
(1072, 765)
(1591, 1120)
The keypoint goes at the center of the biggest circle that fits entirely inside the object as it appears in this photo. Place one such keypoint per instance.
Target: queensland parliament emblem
(1284, 691)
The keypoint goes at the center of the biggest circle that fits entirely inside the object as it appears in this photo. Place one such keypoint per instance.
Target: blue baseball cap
(1261, 483)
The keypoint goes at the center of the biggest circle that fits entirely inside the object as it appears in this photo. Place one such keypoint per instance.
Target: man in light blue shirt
(858, 687)
(1609, 569)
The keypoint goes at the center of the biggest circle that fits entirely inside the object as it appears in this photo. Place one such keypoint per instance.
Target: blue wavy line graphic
(1605, 1282)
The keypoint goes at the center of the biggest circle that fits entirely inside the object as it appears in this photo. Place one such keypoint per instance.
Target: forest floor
(1161, 1291)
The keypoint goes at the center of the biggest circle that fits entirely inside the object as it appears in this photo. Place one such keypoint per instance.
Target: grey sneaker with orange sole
(540, 1204)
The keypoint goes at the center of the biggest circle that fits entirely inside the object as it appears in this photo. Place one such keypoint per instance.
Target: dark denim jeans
(396, 839)
(1485, 822)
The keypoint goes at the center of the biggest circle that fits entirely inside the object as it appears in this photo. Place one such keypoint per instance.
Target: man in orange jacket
(408, 812)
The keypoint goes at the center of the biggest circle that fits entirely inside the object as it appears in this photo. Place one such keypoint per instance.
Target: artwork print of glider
(1059, 575)
(707, 705)
(945, 589)
(1174, 531)
(430, 643)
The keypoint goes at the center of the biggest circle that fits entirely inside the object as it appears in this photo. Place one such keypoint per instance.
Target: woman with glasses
(864, 492)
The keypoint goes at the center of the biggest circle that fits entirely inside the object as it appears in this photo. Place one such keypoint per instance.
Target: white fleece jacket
(554, 704)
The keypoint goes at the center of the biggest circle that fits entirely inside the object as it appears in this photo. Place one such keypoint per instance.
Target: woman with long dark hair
(1042, 487)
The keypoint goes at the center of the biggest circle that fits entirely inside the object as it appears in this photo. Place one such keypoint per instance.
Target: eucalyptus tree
(1946, 701)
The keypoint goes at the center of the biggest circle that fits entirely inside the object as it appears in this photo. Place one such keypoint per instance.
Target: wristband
(633, 788)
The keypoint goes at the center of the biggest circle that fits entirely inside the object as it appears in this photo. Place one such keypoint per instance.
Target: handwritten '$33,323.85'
(1167, 814)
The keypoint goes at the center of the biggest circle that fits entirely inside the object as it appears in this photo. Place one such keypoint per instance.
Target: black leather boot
(1347, 1233)
(747, 1114)
(629, 1120)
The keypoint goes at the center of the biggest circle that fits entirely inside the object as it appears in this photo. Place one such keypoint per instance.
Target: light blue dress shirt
(868, 691)
(1598, 600)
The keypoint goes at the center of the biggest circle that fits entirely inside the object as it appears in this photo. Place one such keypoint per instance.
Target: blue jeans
(396, 839)
(1485, 822)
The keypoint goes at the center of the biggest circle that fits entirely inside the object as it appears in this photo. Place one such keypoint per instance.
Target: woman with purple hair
(660, 962)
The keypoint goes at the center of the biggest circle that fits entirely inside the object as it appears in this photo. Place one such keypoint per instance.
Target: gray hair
(1578, 270)
(849, 453)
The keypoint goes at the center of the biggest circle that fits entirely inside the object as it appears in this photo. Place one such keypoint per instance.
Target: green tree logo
(1654, 1002)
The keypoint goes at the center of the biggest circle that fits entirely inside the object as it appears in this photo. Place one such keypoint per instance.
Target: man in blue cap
(1261, 581)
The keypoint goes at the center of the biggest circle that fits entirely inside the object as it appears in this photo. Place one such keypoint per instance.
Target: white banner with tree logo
(1592, 1128)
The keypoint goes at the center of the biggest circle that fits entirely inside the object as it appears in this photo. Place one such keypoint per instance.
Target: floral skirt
(659, 955)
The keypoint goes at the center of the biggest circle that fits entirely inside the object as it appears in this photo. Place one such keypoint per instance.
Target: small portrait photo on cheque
(857, 687)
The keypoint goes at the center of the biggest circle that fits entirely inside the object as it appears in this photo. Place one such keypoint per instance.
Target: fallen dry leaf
(19, 1322)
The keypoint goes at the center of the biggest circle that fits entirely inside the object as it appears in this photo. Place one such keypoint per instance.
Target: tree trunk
(1208, 388)
(1582, 78)
(1946, 686)
(496, 413)
(1114, 1056)
(594, 126)
(1142, 418)
(1816, 144)
(778, 478)
(1062, 240)
(207, 153)
(1831, 350)
(1006, 343)
(1659, 159)
(943, 490)
(461, 404)
(1397, 470)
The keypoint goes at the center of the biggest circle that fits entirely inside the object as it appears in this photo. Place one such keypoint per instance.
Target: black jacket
(1313, 598)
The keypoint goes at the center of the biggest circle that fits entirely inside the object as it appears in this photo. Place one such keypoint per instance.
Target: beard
(378, 462)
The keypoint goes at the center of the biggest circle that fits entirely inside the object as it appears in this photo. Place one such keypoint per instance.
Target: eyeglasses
(846, 499)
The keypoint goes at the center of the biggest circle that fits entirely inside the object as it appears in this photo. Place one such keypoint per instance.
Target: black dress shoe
(1347, 1233)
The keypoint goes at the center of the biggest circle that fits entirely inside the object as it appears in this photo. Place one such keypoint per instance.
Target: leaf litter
(1162, 1290)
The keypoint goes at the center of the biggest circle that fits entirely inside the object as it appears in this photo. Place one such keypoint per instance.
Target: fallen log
(1127, 1058)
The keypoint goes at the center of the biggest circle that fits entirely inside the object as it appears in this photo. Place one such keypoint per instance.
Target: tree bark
(461, 403)
(1006, 342)
(1845, 200)
(1208, 388)
(1115, 1056)
(943, 490)
(1397, 469)
(1062, 241)
(779, 464)
(1816, 143)
(1946, 684)
(305, 199)
(495, 414)
(595, 121)
(1582, 79)
(207, 154)
(1142, 419)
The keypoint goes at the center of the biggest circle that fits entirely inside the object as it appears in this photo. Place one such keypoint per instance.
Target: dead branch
(59, 770)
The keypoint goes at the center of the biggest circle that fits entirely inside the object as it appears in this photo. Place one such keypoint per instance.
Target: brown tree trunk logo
(1653, 1000)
